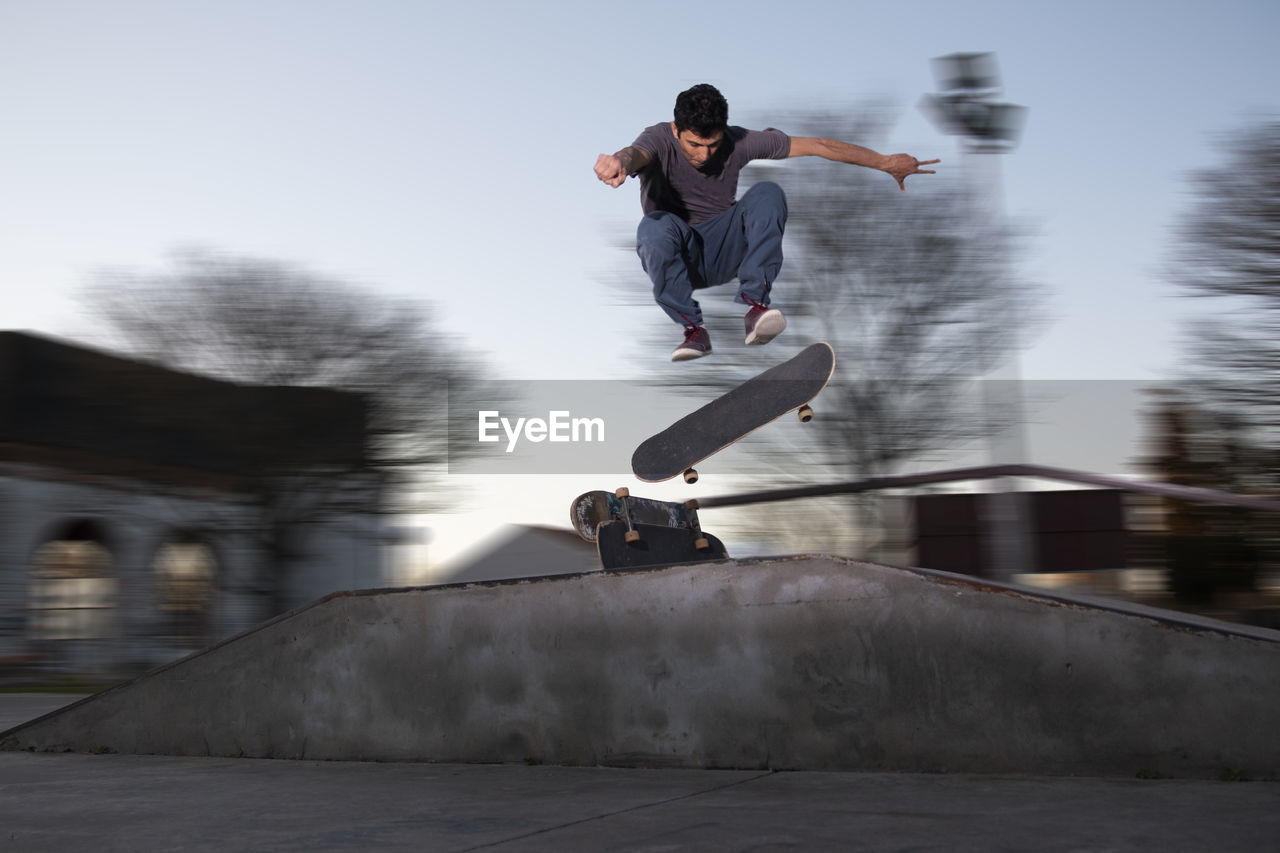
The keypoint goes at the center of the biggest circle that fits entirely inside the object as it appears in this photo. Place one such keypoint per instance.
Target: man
(695, 232)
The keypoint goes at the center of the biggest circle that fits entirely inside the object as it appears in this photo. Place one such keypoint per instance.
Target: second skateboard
(734, 415)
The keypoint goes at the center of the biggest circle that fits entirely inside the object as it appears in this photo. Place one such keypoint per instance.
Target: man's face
(697, 149)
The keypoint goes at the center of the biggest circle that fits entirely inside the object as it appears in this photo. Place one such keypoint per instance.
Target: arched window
(185, 569)
(73, 586)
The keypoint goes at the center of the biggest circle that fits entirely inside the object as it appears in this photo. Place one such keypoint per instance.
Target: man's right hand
(609, 169)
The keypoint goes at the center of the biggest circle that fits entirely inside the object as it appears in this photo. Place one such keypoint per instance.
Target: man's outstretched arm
(897, 165)
(613, 169)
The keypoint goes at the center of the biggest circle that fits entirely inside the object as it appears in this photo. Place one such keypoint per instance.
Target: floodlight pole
(966, 106)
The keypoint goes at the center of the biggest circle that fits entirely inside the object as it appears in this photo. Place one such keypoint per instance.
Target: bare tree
(915, 291)
(266, 322)
(1226, 255)
(1221, 427)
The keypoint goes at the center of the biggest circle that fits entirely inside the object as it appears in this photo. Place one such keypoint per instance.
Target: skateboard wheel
(805, 414)
(632, 536)
(623, 492)
(692, 503)
(690, 476)
(701, 543)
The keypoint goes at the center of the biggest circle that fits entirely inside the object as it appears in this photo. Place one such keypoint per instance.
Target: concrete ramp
(810, 662)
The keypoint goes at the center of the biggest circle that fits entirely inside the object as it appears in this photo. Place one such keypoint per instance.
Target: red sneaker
(764, 324)
(697, 343)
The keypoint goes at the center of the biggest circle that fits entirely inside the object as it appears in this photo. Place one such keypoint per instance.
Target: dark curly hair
(703, 110)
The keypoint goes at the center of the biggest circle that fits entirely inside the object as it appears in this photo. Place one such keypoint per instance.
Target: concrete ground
(69, 802)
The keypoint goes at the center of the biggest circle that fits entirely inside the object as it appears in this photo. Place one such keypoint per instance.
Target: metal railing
(991, 472)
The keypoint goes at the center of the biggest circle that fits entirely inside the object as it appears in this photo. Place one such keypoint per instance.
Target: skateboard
(728, 418)
(591, 509)
(654, 545)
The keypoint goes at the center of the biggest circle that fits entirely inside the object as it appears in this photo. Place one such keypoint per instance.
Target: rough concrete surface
(68, 803)
(813, 663)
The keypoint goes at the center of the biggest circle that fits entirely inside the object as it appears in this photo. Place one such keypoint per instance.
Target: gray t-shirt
(671, 183)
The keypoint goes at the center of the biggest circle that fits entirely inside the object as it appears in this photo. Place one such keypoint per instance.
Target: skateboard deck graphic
(728, 418)
(657, 545)
(591, 509)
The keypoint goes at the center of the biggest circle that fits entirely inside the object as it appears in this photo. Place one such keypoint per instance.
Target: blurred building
(1071, 531)
(525, 551)
(146, 512)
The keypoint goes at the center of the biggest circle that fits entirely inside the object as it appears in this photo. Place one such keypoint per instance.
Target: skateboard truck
(623, 494)
(632, 534)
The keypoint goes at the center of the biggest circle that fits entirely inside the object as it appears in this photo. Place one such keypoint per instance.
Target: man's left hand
(902, 165)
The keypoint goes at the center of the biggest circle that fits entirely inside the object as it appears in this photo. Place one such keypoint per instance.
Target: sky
(445, 151)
